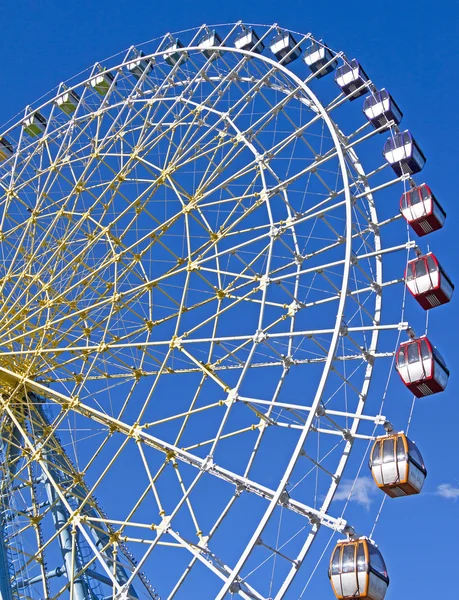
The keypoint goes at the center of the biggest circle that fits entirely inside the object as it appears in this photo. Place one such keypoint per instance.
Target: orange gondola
(357, 570)
(397, 465)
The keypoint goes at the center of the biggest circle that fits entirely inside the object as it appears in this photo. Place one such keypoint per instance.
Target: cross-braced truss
(191, 289)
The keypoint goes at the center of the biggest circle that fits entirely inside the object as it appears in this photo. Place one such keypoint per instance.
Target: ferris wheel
(193, 311)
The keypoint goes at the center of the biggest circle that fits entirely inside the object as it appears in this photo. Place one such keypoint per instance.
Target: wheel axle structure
(192, 239)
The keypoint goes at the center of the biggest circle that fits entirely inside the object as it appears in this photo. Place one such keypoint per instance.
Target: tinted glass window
(420, 266)
(335, 561)
(424, 193)
(415, 197)
(415, 454)
(348, 559)
(279, 38)
(376, 454)
(376, 560)
(413, 353)
(432, 266)
(401, 454)
(389, 145)
(361, 562)
(425, 351)
(370, 101)
(388, 451)
(410, 271)
(440, 358)
(406, 200)
(401, 357)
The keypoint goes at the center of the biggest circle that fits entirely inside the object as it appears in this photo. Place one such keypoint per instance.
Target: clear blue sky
(412, 47)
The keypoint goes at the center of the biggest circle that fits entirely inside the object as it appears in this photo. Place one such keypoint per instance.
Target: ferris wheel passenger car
(6, 149)
(102, 82)
(283, 47)
(351, 78)
(34, 124)
(380, 108)
(422, 210)
(207, 42)
(172, 53)
(249, 40)
(428, 282)
(421, 367)
(68, 102)
(404, 154)
(357, 570)
(139, 66)
(397, 465)
(317, 56)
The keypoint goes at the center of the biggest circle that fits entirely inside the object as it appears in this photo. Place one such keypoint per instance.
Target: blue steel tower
(43, 497)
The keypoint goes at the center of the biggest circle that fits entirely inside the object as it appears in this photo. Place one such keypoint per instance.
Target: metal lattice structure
(191, 315)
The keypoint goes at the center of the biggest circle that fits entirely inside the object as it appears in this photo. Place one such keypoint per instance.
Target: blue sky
(412, 49)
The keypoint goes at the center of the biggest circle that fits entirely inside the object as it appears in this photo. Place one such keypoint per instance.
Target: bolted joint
(259, 336)
(235, 587)
(287, 361)
(207, 464)
(347, 435)
(284, 498)
(320, 412)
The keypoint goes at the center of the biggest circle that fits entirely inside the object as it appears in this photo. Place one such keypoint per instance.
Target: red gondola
(397, 465)
(421, 367)
(422, 210)
(357, 570)
(428, 282)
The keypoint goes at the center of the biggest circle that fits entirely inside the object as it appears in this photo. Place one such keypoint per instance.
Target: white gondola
(102, 82)
(172, 54)
(422, 210)
(284, 47)
(210, 40)
(380, 108)
(428, 282)
(404, 154)
(6, 149)
(421, 367)
(249, 40)
(397, 466)
(351, 78)
(140, 66)
(357, 570)
(68, 102)
(34, 124)
(317, 56)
